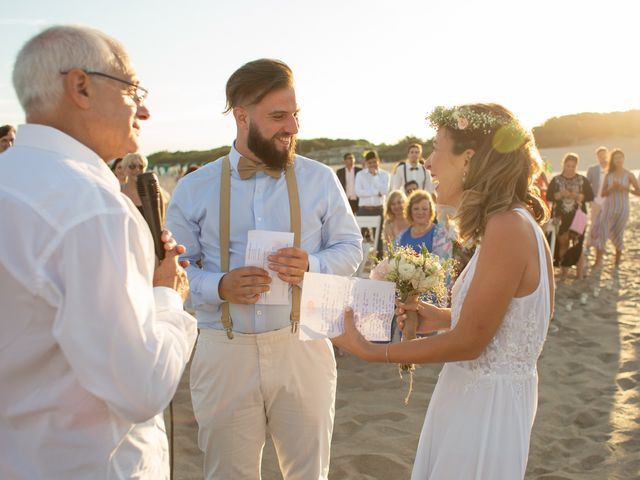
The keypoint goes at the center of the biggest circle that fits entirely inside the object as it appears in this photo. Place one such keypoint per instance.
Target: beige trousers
(272, 382)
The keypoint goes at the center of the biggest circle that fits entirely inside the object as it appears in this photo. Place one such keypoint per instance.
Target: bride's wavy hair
(501, 171)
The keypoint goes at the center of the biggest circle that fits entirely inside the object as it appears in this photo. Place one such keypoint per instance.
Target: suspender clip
(229, 333)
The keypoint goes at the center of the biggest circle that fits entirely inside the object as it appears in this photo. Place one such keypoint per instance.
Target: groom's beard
(266, 150)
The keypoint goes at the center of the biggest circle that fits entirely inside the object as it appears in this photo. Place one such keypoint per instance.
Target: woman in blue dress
(421, 214)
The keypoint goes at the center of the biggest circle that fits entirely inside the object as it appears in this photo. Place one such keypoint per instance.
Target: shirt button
(259, 219)
(259, 312)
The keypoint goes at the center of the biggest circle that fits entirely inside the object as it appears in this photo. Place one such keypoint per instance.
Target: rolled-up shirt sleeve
(341, 239)
(127, 342)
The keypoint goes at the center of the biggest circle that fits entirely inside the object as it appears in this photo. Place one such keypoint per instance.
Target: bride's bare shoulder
(510, 226)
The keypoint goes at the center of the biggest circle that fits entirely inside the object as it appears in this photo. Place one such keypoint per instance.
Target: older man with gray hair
(93, 336)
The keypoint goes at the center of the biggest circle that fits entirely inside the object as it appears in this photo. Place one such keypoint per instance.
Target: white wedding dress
(480, 416)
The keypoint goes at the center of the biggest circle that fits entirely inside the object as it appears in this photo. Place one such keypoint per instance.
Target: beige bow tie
(248, 168)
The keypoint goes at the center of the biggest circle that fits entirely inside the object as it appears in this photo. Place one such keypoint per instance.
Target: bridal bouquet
(414, 274)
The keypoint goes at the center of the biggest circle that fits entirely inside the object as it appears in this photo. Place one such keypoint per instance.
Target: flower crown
(507, 134)
(464, 118)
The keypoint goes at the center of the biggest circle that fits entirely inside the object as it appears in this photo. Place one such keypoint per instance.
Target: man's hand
(244, 285)
(290, 263)
(170, 272)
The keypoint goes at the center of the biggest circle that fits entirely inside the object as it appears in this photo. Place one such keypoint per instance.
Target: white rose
(428, 283)
(405, 270)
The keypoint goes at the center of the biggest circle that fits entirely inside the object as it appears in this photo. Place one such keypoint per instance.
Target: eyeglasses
(136, 167)
(135, 91)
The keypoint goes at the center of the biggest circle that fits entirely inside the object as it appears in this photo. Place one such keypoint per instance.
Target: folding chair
(372, 222)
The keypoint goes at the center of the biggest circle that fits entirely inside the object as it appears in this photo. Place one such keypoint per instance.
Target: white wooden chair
(373, 222)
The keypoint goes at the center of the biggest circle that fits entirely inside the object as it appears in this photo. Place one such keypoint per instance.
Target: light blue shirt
(329, 232)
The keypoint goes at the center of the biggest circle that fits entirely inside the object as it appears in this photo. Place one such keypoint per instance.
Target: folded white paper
(261, 244)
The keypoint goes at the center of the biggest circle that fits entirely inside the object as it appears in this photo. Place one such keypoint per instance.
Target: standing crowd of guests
(587, 211)
(405, 200)
(606, 189)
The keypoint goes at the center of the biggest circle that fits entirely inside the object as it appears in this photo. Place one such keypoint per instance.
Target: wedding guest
(569, 192)
(420, 212)
(251, 374)
(347, 177)
(595, 175)
(94, 339)
(542, 183)
(412, 169)
(191, 169)
(7, 136)
(612, 221)
(372, 186)
(410, 187)
(395, 221)
(133, 164)
(479, 419)
(118, 171)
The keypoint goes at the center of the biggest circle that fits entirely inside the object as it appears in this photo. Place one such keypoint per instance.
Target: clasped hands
(244, 285)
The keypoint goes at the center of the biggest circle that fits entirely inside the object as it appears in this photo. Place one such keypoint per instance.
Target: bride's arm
(498, 274)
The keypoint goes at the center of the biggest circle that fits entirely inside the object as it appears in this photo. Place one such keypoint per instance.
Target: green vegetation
(562, 131)
(582, 128)
(194, 157)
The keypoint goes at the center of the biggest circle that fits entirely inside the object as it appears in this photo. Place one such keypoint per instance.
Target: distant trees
(584, 127)
(194, 157)
(398, 151)
(306, 146)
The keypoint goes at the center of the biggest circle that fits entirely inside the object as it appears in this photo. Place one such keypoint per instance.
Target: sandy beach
(588, 421)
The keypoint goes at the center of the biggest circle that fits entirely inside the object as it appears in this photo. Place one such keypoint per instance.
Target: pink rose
(462, 123)
(381, 270)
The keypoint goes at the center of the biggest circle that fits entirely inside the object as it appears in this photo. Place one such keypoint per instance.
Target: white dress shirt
(371, 189)
(90, 352)
(329, 232)
(417, 173)
(350, 183)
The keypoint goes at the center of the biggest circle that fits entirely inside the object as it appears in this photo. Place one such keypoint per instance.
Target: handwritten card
(261, 244)
(325, 297)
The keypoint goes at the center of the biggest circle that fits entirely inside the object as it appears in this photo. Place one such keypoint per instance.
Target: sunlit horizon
(363, 69)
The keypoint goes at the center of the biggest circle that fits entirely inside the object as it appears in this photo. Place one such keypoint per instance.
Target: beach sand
(588, 420)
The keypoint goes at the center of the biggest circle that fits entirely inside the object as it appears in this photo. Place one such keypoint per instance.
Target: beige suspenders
(225, 229)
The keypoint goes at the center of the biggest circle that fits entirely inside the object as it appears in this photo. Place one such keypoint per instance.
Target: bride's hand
(427, 315)
(352, 340)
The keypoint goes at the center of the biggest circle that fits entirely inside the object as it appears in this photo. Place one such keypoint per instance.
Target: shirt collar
(43, 137)
(234, 157)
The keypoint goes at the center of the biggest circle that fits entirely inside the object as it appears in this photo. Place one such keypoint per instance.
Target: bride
(478, 424)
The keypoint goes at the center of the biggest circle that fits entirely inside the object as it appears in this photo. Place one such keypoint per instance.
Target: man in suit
(595, 175)
(347, 177)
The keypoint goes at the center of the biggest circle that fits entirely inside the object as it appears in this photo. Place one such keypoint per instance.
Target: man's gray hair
(37, 75)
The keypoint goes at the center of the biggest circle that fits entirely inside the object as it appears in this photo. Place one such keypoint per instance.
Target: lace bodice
(516, 346)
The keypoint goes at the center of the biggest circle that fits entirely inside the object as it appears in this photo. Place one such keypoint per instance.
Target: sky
(363, 69)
